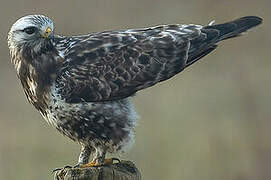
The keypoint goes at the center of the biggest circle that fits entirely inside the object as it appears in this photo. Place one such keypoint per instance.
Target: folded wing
(115, 64)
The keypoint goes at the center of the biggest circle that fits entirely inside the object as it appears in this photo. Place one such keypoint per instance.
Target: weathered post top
(125, 170)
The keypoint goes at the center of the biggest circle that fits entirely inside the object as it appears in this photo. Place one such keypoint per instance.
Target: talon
(96, 163)
(58, 169)
(67, 167)
(110, 161)
(116, 159)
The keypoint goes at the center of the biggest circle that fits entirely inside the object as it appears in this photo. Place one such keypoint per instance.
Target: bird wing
(115, 64)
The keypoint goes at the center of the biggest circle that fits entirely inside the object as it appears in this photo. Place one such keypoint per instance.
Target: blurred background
(211, 122)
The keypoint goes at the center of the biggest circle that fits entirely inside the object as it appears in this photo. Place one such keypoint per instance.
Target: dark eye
(30, 30)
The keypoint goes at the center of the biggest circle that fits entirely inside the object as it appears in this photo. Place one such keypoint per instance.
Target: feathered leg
(99, 159)
(84, 154)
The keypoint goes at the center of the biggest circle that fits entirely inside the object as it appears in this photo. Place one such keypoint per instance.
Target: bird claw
(60, 169)
(90, 164)
(96, 163)
(110, 161)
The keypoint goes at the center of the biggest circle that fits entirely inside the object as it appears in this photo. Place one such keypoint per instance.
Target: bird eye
(30, 30)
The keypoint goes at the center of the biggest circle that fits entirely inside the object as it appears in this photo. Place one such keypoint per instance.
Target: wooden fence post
(125, 170)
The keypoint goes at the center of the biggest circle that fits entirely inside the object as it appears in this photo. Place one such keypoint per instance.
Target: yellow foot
(90, 164)
(95, 163)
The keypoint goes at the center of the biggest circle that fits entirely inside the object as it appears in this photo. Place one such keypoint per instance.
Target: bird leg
(84, 155)
(99, 159)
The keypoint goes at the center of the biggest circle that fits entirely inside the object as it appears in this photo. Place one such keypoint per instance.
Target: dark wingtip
(251, 20)
(236, 27)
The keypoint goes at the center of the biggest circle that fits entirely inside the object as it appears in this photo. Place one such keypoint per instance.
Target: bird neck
(37, 71)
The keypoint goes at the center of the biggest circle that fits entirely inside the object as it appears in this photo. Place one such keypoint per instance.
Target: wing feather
(115, 64)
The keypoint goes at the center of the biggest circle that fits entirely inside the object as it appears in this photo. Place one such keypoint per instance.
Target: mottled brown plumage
(82, 84)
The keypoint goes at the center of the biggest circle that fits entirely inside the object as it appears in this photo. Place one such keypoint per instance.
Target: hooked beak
(47, 33)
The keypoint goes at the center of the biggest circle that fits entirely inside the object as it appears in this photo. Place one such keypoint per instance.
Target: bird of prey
(82, 85)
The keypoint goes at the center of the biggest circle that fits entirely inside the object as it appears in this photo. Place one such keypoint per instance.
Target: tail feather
(212, 34)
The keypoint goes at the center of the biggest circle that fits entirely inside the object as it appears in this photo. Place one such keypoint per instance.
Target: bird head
(31, 29)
